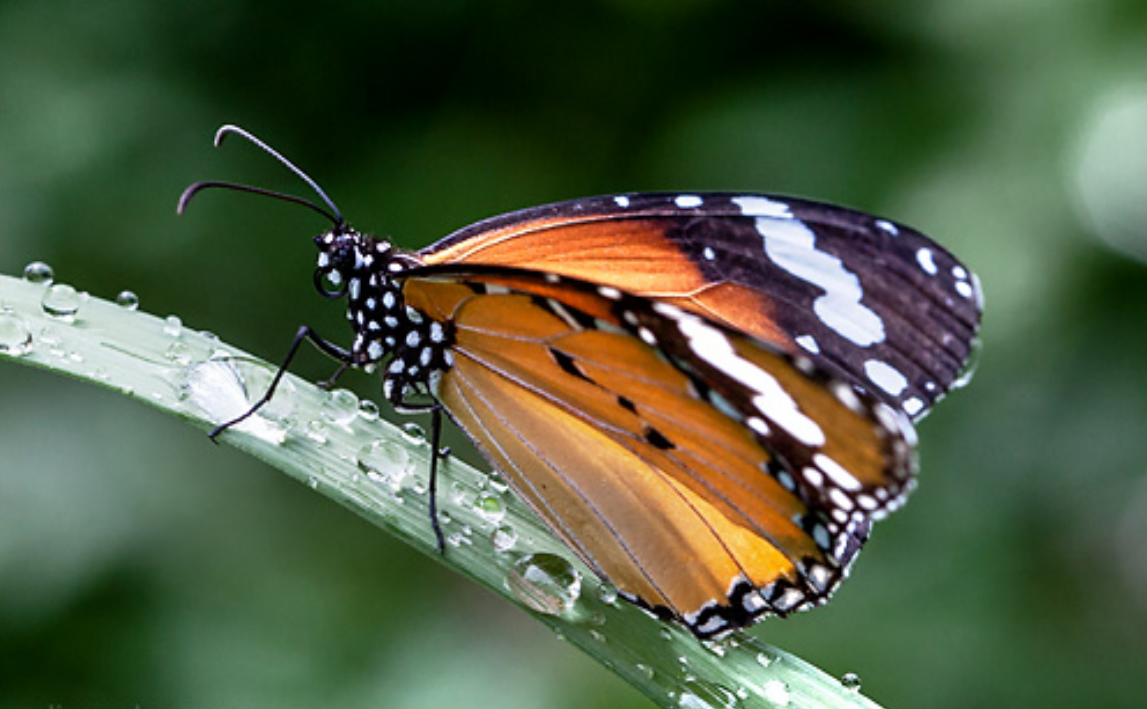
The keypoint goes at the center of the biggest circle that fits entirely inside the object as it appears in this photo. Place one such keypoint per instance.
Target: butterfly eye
(330, 282)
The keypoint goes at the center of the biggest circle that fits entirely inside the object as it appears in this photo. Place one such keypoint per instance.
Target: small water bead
(496, 483)
(607, 594)
(457, 539)
(127, 300)
(62, 302)
(340, 407)
(172, 326)
(178, 353)
(490, 507)
(545, 583)
(368, 410)
(776, 692)
(699, 693)
(318, 433)
(38, 272)
(413, 433)
(15, 335)
(504, 539)
(850, 681)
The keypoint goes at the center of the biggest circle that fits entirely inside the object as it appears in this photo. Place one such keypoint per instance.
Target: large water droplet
(38, 272)
(62, 302)
(127, 300)
(223, 388)
(385, 462)
(545, 583)
(15, 335)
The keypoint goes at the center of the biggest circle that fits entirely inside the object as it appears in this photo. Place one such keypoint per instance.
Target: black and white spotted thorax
(367, 271)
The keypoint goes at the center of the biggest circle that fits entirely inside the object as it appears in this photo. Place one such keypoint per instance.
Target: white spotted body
(366, 270)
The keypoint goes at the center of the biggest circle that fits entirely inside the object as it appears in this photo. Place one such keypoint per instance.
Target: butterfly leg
(435, 455)
(304, 334)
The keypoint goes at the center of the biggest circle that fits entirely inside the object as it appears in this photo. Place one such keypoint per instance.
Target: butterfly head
(366, 271)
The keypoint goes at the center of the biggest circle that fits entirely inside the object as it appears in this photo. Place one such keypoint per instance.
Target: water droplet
(459, 538)
(317, 432)
(850, 681)
(221, 390)
(38, 272)
(545, 583)
(497, 484)
(385, 462)
(313, 482)
(340, 407)
(504, 539)
(970, 366)
(15, 335)
(776, 692)
(172, 326)
(764, 660)
(368, 410)
(699, 694)
(178, 353)
(607, 594)
(645, 670)
(62, 302)
(413, 433)
(127, 300)
(490, 507)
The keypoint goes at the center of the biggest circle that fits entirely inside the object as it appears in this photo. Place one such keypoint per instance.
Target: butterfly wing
(874, 301)
(704, 473)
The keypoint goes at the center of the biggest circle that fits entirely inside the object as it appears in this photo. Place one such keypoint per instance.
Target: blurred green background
(140, 566)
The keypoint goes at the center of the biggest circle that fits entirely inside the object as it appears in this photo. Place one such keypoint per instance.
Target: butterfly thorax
(368, 272)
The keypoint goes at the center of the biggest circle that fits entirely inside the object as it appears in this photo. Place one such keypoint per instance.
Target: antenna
(334, 215)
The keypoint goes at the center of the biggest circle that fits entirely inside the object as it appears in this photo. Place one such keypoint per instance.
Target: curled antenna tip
(225, 130)
(185, 198)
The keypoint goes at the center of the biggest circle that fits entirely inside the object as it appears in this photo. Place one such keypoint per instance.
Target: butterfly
(708, 397)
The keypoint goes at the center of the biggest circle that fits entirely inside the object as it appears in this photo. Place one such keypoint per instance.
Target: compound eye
(329, 282)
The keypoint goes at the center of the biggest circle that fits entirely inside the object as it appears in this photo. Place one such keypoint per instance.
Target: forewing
(874, 301)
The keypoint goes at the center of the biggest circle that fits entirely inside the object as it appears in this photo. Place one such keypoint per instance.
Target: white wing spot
(926, 260)
(887, 226)
(886, 377)
(609, 292)
(757, 206)
(621, 201)
(711, 345)
(809, 343)
(913, 406)
(791, 245)
(836, 473)
(688, 201)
